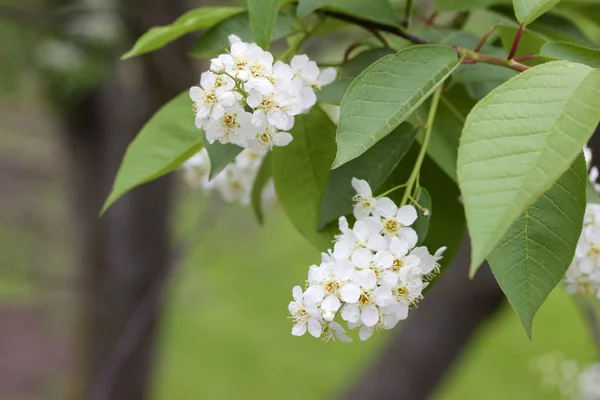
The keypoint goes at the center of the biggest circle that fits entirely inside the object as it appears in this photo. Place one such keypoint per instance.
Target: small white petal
(365, 332)
(350, 293)
(406, 215)
(331, 303)
(369, 315)
(297, 294)
(314, 327)
(386, 207)
(351, 313)
(299, 329)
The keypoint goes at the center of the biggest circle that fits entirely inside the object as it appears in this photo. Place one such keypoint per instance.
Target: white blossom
(372, 276)
(248, 99)
(234, 183)
(583, 275)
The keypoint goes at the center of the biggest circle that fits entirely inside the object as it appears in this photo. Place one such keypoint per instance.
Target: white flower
(372, 277)
(229, 125)
(394, 219)
(589, 382)
(266, 137)
(333, 331)
(305, 314)
(583, 275)
(310, 73)
(364, 202)
(364, 234)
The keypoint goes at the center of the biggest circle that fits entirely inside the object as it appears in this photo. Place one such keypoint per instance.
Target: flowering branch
(417, 168)
(470, 55)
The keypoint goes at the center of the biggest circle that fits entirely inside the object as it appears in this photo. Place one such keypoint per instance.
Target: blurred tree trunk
(124, 256)
(435, 335)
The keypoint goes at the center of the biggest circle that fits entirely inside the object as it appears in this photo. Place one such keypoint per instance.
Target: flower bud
(243, 76)
(217, 65)
(426, 212)
(328, 316)
(227, 99)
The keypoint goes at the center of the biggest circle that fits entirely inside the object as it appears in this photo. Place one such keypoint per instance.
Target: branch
(468, 54)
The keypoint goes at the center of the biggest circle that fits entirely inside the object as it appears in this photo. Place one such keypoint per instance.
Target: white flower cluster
(583, 275)
(248, 99)
(371, 278)
(568, 377)
(589, 382)
(234, 184)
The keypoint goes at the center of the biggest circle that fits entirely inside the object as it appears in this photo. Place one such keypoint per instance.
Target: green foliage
(518, 140)
(215, 39)
(387, 93)
(263, 15)
(527, 11)
(374, 10)
(536, 251)
(421, 225)
(452, 111)
(164, 143)
(572, 52)
(194, 20)
(305, 7)
(219, 154)
(447, 219)
(301, 172)
(262, 177)
(334, 92)
(374, 166)
(530, 44)
(465, 5)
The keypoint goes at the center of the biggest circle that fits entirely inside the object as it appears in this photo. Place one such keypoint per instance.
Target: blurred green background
(226, 333)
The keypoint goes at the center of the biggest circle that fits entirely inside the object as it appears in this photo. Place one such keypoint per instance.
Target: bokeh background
(70, 281)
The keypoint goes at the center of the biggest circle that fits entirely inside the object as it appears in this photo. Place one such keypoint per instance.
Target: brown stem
(525, 58)
(515, 44)
(468, 54)
(484, 39)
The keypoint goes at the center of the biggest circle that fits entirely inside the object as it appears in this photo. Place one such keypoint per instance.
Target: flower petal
(406, 215)
(331, 303)
(369, 315)
(314, 327)
(299, 329)
(351, 313)
(350, 293)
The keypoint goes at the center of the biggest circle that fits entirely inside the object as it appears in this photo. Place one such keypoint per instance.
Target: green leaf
(215, 39)
(530, 44)
(534, 254)
(194, 20)
(334, 92)
(262, 177)
(527, 11)
(572, 52)
(164, 143)
(518, 141)
(374, 10)
(262, 14)
(452, 112)
(421, 225)
(374, 166)
(301, 171)
(219, 154)
(480, 79)
(466, 5)
(305, 7)
(387, 93)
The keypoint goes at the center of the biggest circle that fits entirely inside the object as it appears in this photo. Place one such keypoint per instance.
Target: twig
(468, 54)
(516, 42)
(484, 39)
(407, 14)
